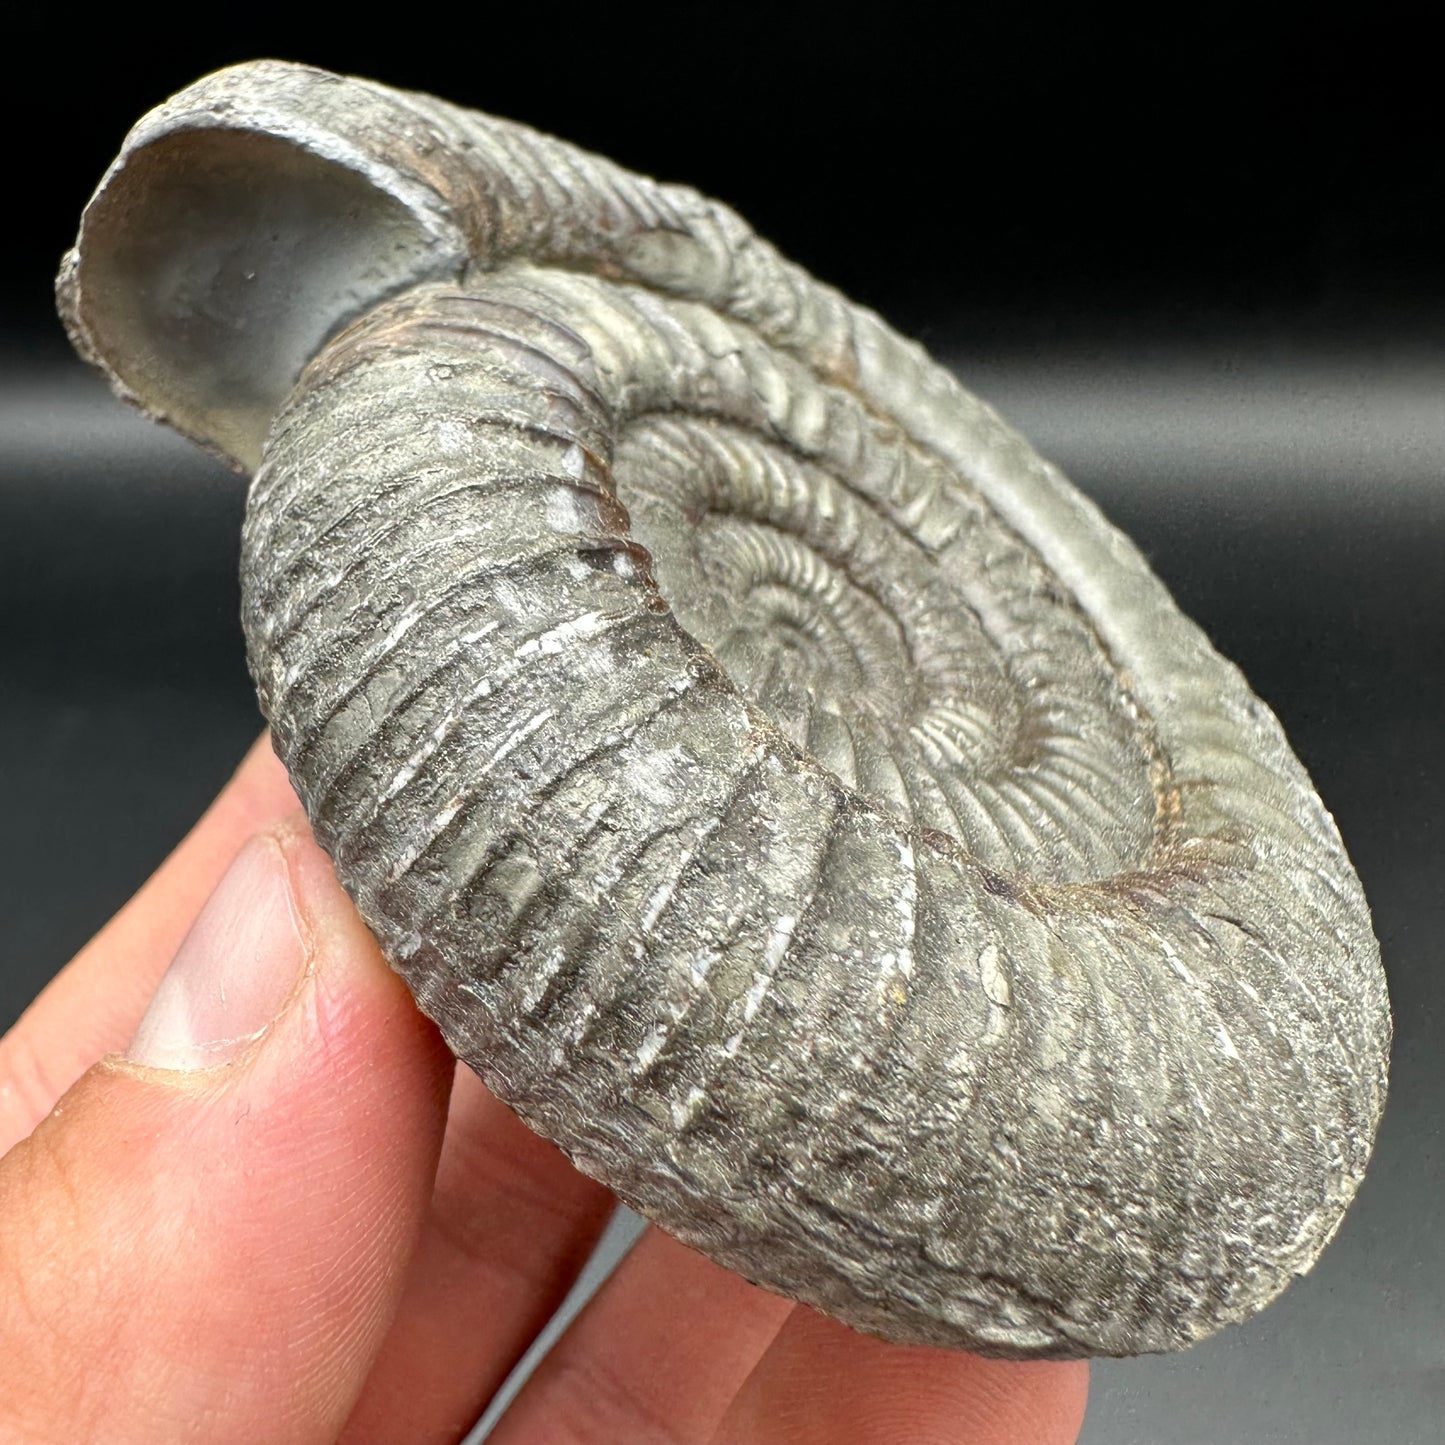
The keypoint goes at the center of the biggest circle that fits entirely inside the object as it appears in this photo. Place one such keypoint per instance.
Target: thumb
(205, 1239)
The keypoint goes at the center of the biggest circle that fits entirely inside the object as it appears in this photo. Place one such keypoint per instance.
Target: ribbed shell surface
(782, 787)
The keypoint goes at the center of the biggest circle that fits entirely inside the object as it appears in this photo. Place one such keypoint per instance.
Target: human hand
(281, 1213)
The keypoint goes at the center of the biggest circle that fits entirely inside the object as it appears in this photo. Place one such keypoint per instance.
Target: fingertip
(94, 1004)
(250, 1219)
(259, 791)
(355, 988)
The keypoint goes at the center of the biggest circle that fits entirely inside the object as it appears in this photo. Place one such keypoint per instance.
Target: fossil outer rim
(1023, 1000)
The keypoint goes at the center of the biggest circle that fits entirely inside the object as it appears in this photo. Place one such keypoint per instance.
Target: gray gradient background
(1267, 422)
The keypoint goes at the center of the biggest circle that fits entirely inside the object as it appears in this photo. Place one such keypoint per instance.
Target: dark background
(1199, 259)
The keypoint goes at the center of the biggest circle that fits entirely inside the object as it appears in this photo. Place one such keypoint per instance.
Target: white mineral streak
(779, 783)
(780, 935)
(994, 976)
(685, 1112)
(651, 1046)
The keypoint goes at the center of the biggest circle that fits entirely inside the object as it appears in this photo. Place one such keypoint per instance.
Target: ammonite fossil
(777, 782)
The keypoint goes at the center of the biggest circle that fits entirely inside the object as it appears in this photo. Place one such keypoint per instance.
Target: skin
(340, 1236)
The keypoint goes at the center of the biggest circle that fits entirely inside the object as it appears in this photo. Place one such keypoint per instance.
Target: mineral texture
(781, 786)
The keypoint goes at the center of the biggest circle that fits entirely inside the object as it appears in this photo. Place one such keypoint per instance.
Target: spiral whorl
(779, 785)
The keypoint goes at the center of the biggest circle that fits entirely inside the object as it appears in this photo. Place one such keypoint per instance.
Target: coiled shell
(784, 790)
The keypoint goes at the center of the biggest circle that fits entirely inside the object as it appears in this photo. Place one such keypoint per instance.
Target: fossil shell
(778, 783)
